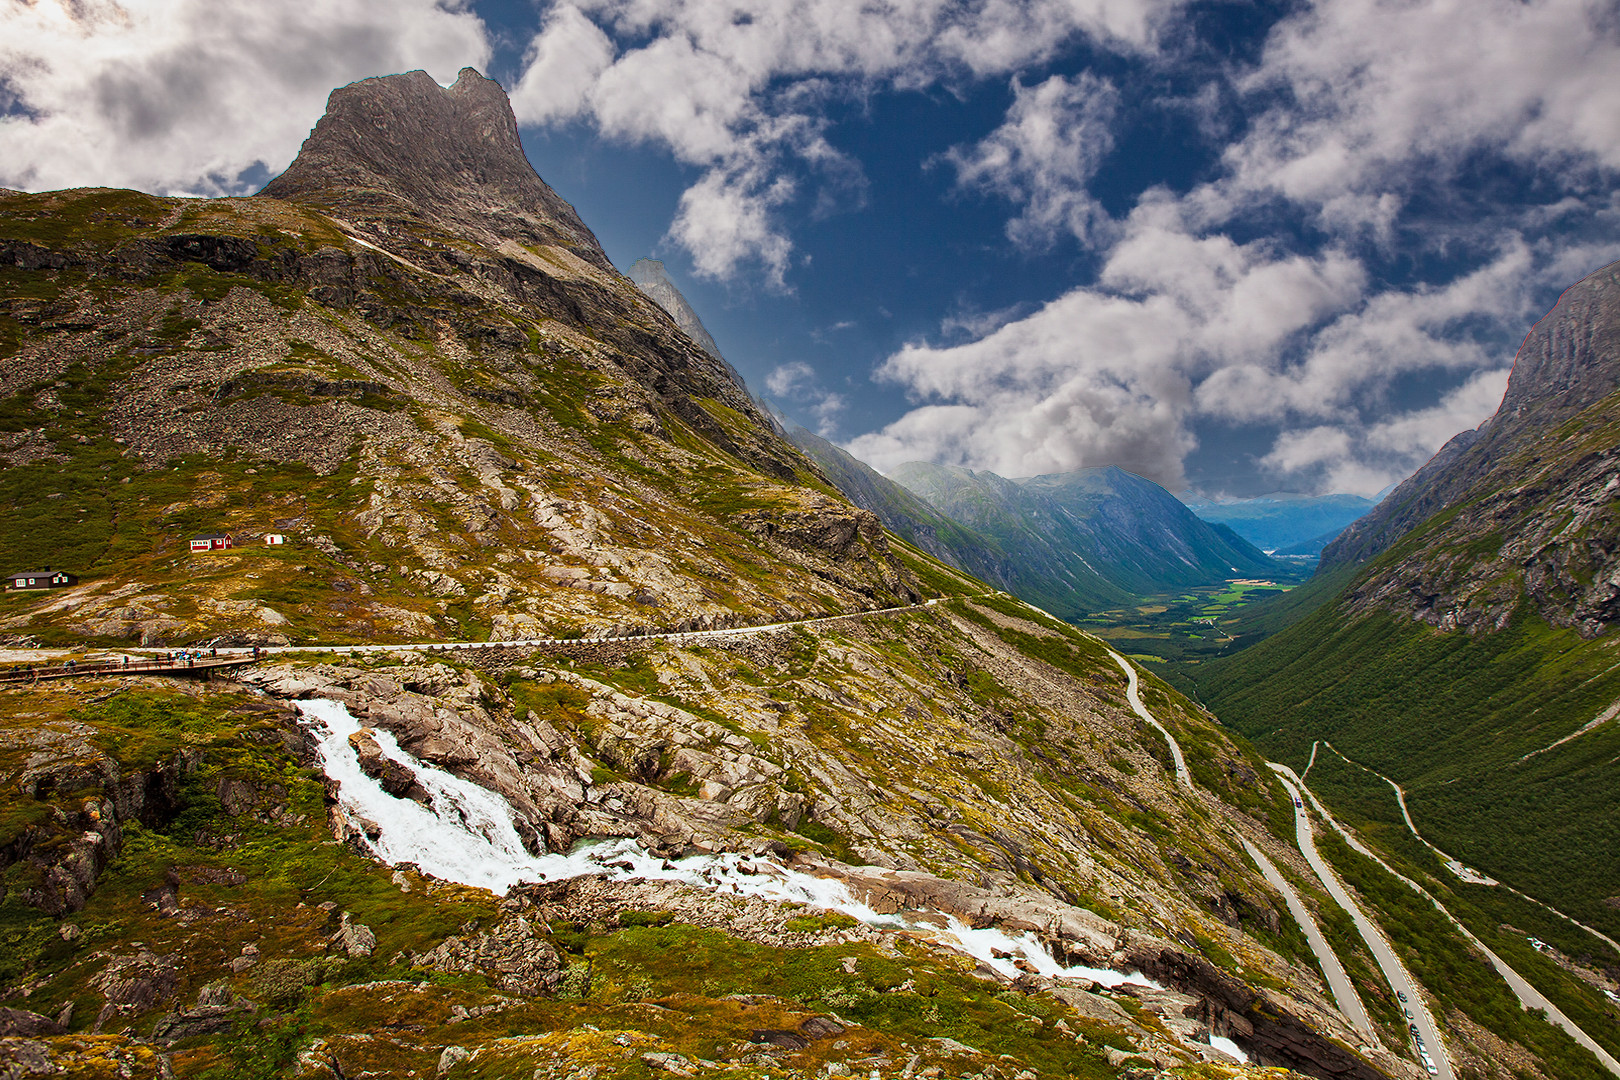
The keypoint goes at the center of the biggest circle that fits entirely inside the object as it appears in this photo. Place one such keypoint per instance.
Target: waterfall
(467, 836)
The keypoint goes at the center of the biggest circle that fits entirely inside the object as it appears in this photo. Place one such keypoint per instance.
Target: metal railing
(29, 673)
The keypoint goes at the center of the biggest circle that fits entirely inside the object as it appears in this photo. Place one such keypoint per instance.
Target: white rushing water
(467, 836)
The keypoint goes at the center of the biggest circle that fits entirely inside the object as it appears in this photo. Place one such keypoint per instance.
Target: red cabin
(211, 542)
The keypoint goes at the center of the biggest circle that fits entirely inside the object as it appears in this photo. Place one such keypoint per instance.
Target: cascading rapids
(467, 836)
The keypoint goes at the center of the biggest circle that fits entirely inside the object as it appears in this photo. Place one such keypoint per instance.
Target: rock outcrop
(450, 153)
(1519, 511)
(512, 955)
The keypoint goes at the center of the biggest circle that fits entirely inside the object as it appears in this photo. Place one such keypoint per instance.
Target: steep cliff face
(409, 357)
(1522, 510)
(402, 147)
(651, 278)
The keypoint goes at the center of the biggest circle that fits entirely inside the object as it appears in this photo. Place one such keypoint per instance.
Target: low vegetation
(1442, 960)
(1467, 724)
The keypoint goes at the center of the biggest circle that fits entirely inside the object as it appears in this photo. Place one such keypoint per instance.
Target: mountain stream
(468, 837)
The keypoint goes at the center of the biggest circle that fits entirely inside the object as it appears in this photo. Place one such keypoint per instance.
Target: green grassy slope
(1451, 717)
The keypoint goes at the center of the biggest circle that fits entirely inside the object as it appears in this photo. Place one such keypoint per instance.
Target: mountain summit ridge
(447, 152)
(1565, 366)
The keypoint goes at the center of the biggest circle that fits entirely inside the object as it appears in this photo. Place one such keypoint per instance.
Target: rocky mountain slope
(1470, 658)
(651, 278)
(904, 513)
(1074, 542)
(1550, 420)
(410, 359)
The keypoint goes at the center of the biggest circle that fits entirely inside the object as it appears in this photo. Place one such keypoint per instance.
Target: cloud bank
(740, 91)
(184, 96)
(1359, 118)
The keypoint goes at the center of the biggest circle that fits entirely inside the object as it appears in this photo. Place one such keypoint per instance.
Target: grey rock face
(1569, 361)
(651, 278)
(1521, 508)
(354, 938)
(451, 152)
(396, 779)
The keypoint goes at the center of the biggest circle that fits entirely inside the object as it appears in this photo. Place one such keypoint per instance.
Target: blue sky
(1234, 246)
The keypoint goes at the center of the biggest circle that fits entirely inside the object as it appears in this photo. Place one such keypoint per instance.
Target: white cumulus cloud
(1376, 95)
(1366, 459)
(183, 96)
(739, 90)
(1044, 154)
(1183, 329)
(797, 382)
(1356, 112)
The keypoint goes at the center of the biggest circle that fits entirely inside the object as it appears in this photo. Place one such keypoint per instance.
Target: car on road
(1428, 1063)
(1413, 1028)
(1402, 995)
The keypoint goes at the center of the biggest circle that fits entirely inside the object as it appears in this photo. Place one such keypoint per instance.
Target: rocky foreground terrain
(410, 358)
(181, 886)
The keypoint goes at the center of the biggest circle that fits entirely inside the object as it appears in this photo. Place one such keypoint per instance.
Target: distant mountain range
(1073, 543)
(1284, 523)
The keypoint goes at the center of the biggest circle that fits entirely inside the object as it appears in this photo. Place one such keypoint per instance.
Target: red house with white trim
(211, 542)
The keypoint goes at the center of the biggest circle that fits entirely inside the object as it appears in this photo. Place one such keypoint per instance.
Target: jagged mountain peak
(1569, 362)
(404, 146)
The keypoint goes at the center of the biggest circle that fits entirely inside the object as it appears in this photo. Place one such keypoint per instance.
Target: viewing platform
(198, 667)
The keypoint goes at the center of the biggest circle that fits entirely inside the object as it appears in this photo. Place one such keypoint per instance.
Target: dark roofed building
(40, 579)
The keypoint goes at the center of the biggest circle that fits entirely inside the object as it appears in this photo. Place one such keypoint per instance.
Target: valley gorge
(590, 726)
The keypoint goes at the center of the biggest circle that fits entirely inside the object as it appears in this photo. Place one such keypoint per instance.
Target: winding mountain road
(662, 635)
(1343, 990)
(1395, 973)
(1467, 874)
(1529, 997)
(1400, 980)
(1183, 777)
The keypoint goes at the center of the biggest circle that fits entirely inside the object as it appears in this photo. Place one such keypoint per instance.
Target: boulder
(512, 955)
(21, 1022)
(398, 779)
(354, 938)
